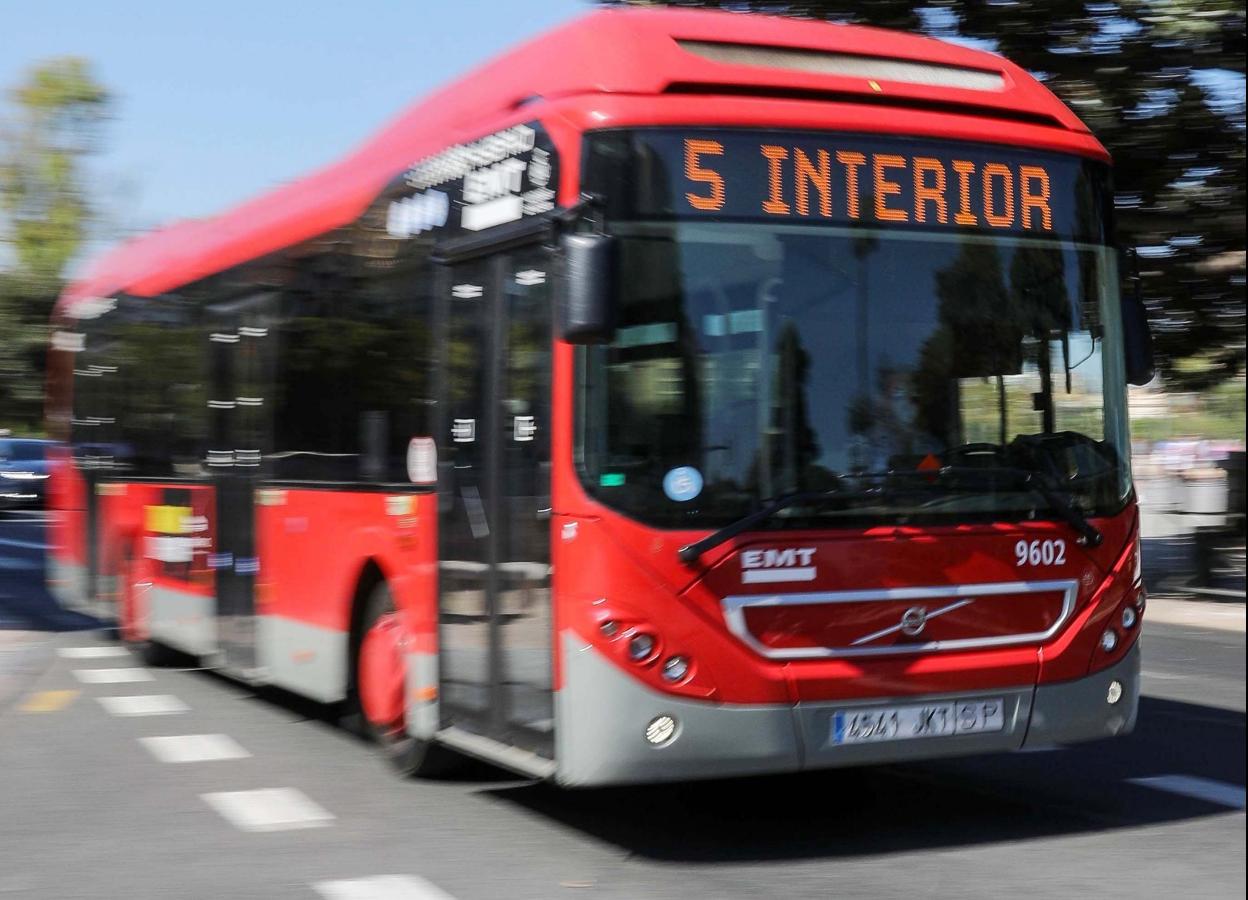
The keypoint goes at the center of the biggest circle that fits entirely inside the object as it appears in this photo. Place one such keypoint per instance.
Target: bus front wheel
(380, 687)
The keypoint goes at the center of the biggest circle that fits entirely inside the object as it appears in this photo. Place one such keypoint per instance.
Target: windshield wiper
(1037, 482)
(691, 552)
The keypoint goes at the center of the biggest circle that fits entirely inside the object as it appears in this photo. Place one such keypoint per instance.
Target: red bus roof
(615, 51)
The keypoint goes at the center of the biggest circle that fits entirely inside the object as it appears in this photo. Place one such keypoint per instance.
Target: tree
(1160, 82)
(57, 113)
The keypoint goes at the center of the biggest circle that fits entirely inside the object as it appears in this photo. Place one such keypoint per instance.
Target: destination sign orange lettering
(694, 171)
(812, 181)
(851, 180)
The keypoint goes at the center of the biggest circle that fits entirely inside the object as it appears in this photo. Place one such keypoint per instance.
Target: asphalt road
(88, 808)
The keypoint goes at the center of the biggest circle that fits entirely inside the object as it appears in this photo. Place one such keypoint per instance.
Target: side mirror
(587, 304)
(1137, 337)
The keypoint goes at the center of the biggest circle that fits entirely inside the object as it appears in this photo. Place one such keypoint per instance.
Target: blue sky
(216, 102)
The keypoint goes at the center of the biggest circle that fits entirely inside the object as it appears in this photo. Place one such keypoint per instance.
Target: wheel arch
(370, 575)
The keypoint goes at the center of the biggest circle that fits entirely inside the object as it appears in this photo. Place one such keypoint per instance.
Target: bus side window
(354, 383)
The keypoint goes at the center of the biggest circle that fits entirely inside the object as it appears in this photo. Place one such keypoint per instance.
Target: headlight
(640, 647)
(675, 669)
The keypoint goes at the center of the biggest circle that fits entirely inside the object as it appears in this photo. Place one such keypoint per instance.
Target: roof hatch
(818, 62)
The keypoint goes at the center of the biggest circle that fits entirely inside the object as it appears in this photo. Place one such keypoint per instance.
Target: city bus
(682, 394)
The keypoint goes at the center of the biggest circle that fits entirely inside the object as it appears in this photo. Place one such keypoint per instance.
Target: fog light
(609, 628)
(640, 647)
(661, 730)
(675, 669)
(1109, 640)
(1114, 694)
(1129, 617)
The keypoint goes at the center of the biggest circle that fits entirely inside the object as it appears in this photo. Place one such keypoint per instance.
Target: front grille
(894, 621)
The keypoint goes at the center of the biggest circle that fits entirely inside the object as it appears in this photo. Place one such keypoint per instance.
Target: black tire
(152, 654)
(407, 754)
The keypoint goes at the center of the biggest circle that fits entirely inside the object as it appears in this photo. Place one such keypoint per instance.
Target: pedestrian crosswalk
(143, 705)
(253, 811)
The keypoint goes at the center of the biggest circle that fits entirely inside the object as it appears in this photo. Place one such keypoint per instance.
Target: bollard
(1205, 496)
(1233, 466)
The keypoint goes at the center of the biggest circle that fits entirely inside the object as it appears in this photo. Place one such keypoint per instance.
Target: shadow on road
(953, 803)
(340, 719)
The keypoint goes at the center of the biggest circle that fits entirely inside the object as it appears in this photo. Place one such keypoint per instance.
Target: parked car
(23, 472)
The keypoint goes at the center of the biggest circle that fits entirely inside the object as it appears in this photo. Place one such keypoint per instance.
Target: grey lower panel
(1080, 711)
(70, 585)
(602, 714)
(307, 659)
(67, 582)
(601, 717)
(422, 695)
(509, 757)
(182, 620)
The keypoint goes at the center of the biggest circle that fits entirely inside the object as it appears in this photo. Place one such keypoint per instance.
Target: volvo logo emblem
(913, 621)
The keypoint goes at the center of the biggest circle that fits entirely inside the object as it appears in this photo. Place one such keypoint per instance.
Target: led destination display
(848, 179)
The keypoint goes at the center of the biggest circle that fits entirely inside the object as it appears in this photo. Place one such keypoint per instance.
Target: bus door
(94, 436)
(494, 487)
(240, 375)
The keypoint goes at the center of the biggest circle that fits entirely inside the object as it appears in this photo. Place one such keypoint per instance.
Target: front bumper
(602, 717)
(1074, 711)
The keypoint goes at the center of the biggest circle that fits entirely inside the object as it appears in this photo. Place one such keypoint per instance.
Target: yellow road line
(48, 701)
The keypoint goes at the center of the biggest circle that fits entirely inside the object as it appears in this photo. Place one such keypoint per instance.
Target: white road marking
(187, 748)
(1219, 792)
(143, 705)
(268, 809)
(381, 887)
(91, 652)
(112, 676)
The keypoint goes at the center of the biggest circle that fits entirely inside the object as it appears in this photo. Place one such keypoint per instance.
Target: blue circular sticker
(682, 483)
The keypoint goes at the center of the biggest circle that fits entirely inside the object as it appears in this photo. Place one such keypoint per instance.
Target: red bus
(682, 394)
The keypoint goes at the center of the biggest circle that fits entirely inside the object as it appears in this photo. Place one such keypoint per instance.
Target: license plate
(901, 723)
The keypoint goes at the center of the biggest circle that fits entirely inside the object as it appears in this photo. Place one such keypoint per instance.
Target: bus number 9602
(1040, 553)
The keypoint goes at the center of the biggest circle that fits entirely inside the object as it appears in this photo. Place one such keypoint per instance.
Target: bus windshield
(753, 360)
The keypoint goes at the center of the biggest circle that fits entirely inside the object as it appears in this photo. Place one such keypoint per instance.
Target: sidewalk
(1195, 613)
(1185, 555)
